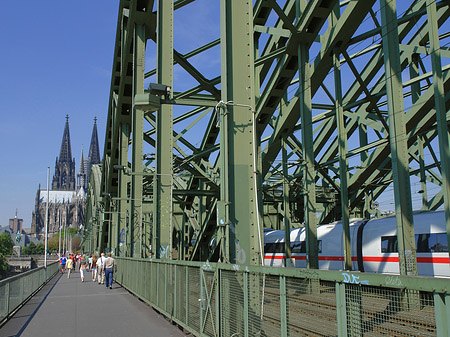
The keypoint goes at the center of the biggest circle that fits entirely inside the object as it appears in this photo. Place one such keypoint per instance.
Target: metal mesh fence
(15, 290)
(208, 303)
(310, 307)
(169, 282)
(161, 285)
(376, 311)
(154, 282)
(194, 298)
(232, 303)
(220, 301)
(267, 316)
(180, 298)
(3, 302)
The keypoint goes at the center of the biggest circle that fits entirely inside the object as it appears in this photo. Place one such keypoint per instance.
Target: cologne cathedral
(67, 197)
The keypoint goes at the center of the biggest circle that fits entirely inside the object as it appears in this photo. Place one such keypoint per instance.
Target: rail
(211, 299)
(16, 290)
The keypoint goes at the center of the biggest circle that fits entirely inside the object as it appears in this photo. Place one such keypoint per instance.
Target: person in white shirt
(110, 267)
(100, 269)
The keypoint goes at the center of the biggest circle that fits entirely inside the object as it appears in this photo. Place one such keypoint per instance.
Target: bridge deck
(70, 308)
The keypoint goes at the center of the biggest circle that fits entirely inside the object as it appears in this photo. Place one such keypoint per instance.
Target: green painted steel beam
(162, 236)
(441, 111)
(240, 221)
(137, 129)
(309, 178)
(398, 141)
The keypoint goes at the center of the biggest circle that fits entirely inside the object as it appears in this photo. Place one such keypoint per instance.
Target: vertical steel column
(341, 309)
(343, 162)
(237, 134)
(398, 140)
(441, 118)
(162, 238)
(137, 129)
(122, 226)
(415, 94)
(283, 307)
(363, 141)
(286, 205)
(309, 173)
(442, 314)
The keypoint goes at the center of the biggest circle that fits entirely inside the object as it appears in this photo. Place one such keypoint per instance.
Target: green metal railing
(229, 300)
(15, 290)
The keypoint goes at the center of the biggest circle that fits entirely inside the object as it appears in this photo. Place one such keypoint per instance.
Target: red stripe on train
(444, 260)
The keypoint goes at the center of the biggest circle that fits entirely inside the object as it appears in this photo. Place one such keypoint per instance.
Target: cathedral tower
(64, 178)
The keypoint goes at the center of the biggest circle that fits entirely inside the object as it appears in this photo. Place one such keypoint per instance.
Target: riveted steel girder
(350, 102)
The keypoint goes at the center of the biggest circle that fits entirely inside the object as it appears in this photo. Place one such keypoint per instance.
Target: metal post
(398, 140)
(46, 224)
(341, 310)
(442, 314)
(238, 136)
(286, 206)
(441, 111)
(283, 307)
(343, 162)
(122, 228)
(164, 140)
(309, 175)
(137, 143)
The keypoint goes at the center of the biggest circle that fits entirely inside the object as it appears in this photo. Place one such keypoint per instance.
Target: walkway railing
(15, 290)
(230, 300)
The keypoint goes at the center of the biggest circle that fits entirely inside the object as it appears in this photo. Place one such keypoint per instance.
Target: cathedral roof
(56, 196)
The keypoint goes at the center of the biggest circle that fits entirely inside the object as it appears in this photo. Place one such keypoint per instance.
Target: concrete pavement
(70, 308)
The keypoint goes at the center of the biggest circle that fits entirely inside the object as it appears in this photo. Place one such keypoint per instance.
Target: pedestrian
(100, 269)
(69, 266)
(93, 267)
(83, 265)
(89, 262)
(110, 267)
(63, 261)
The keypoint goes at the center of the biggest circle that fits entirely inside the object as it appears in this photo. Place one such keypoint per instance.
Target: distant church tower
(64, 178)
(86, 164)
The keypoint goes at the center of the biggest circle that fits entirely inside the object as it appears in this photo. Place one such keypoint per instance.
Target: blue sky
(56, 59)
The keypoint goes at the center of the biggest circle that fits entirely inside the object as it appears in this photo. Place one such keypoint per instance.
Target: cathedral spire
(94, 151)
(65, 153)
(64, 178)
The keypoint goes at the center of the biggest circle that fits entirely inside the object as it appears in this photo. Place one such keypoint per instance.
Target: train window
(432, 243)
(300, 247)
(425, 243)
(439, 243)
(274, 247)
(389, 244)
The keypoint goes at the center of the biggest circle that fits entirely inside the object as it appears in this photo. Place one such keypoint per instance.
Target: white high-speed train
(373, 246)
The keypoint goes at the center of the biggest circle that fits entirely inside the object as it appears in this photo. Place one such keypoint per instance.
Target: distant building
(16, 224)
(67, 197)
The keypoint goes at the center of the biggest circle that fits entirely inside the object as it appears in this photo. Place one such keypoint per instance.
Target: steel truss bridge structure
(230, 116)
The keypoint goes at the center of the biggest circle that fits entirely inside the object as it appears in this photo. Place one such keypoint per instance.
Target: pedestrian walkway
(71, 308)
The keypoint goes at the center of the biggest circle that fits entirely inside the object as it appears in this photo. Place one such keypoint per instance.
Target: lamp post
(46, 224)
